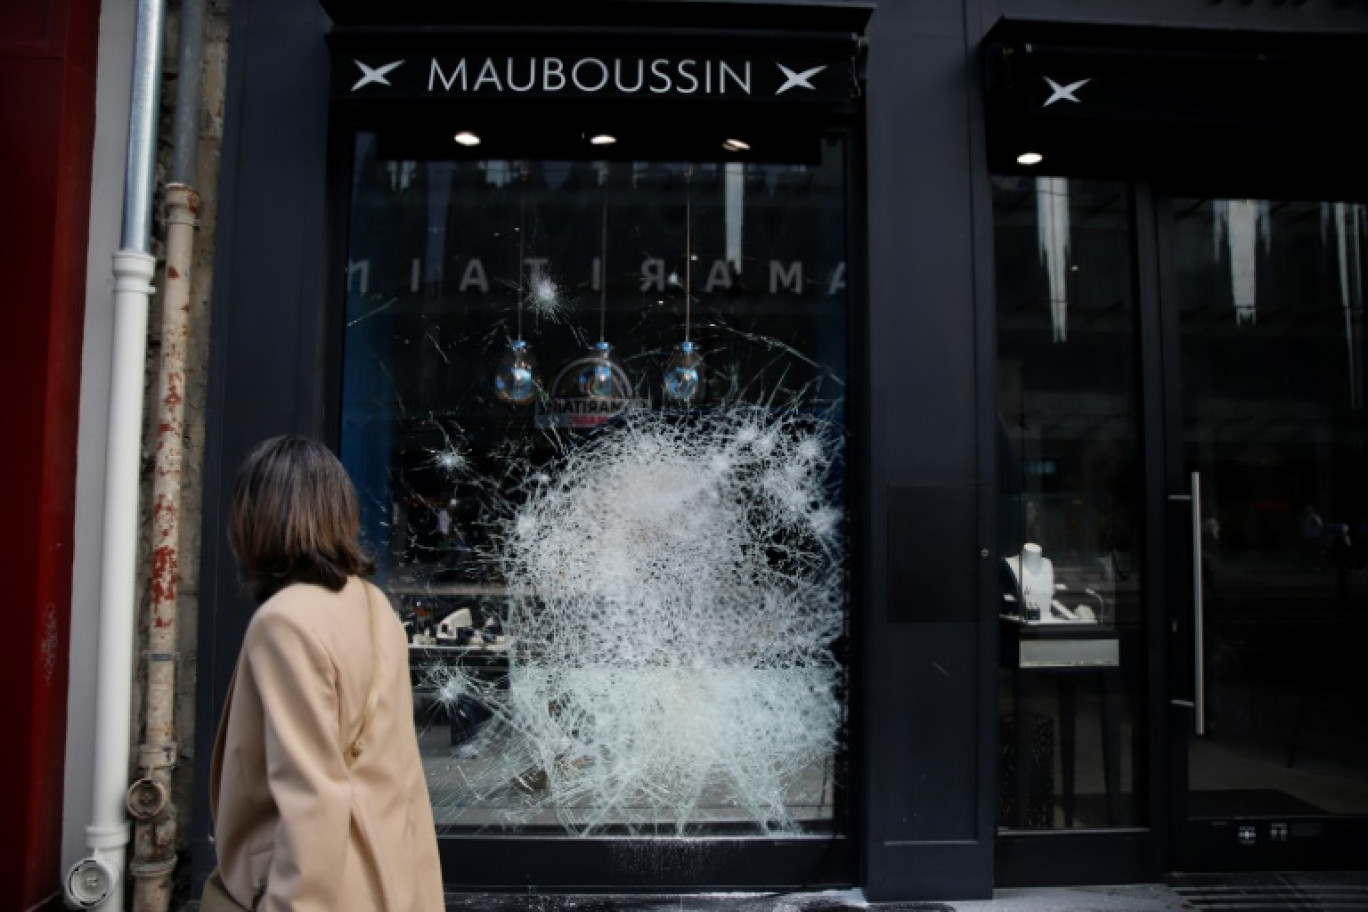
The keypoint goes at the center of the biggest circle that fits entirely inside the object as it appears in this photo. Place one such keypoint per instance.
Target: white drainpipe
(95, 881)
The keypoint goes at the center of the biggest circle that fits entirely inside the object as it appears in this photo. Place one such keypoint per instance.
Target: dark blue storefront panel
(268, 279)
(927, 797)
(928, 742)
(932, 531)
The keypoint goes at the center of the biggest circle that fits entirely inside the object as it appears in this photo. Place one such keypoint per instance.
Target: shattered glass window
(595, 413)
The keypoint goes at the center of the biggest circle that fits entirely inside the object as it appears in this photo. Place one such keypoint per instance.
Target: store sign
(456, 75)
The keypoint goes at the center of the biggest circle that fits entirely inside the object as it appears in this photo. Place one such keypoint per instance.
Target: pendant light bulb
(515, 378)
(597, 378)
(684, 373)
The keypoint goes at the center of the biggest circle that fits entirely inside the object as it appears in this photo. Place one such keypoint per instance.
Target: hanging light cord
(603, 244)
(522, 263)
(688, 246)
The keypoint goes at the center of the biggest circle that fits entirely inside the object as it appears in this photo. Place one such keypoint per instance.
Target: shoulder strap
(373, 696)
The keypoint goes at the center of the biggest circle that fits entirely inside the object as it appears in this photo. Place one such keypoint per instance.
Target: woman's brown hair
(295, 519)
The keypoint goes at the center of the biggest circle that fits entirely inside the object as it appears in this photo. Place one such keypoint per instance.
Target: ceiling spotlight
(602, 139)
(467, 138)
(1030, 158)
(735, 145)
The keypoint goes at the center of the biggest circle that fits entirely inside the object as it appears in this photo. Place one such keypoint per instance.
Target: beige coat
(292, 816)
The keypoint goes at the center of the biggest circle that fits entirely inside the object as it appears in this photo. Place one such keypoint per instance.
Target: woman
(317, 787)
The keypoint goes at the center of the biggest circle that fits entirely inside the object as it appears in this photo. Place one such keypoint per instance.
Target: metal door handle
(1198, 702)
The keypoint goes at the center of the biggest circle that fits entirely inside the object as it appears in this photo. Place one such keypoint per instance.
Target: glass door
(1267, 454)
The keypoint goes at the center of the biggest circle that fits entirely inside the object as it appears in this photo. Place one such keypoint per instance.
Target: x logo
(1064, 93)
(374, 74)
(795, 80)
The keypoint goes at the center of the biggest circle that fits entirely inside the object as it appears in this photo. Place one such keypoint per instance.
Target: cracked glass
(595, 411)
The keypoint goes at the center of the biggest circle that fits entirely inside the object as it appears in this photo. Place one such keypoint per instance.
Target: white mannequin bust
(1035, 579)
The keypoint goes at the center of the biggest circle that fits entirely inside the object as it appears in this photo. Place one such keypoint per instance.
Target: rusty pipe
(154, 841)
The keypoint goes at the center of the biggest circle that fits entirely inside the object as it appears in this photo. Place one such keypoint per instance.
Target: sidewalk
(1133, 898)
(1260, 892)
(1256, 892)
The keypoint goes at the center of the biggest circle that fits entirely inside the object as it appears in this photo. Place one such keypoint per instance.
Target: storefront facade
(785, 488)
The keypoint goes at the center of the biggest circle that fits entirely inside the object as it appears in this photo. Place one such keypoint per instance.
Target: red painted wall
(47, 122)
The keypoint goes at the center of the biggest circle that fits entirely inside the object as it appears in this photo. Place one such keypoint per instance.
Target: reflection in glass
(623, 617)
(1052, 215)
(1346, 225)
(1241, 230)
(1068, 518)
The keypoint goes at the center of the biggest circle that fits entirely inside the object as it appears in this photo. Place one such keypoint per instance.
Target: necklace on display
(1037, 588)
